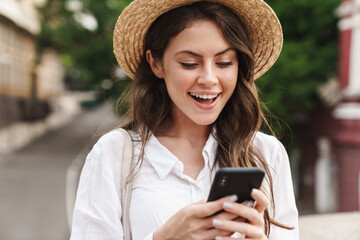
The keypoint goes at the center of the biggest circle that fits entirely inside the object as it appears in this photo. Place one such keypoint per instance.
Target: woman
(193, 109)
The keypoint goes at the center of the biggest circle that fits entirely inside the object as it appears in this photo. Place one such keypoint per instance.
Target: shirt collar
(209, 150)
(163, 161)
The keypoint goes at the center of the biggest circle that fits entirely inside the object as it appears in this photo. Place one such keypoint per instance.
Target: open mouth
(204, 98)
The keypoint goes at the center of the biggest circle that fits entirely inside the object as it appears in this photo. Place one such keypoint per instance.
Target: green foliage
(309, 57)
(86, 54)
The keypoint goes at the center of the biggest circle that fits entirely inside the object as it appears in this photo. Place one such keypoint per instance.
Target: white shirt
(161, 189)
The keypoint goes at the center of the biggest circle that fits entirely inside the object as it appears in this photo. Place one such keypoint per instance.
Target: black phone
(239, 181)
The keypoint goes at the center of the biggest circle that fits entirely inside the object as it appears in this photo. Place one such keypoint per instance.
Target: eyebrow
(198, 55)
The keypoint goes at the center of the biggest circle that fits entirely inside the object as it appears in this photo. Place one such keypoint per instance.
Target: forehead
(202, 36)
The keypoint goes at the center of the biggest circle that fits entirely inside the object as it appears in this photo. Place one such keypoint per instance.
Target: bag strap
(126, 166)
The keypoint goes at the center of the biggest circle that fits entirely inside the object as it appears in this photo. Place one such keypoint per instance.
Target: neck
(183, 127)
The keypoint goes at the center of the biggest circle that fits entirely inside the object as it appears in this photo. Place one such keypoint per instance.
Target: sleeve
(97, 211)
(285, 207)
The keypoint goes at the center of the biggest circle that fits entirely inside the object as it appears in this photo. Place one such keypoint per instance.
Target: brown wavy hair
(150, 105)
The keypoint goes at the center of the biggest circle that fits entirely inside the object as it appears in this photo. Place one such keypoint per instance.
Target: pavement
(332, 226)
(64, 108)
(32, 180)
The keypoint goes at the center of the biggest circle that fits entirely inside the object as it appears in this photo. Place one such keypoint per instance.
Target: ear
(156, 66)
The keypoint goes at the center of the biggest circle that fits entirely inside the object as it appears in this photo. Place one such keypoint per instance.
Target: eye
(188, 65)
(224, 64)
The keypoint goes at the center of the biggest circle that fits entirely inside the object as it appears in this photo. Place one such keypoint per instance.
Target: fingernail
(217, 223)
(227, 205)
(233, 198)
(218, 238)
(255, 192)
(249, 203)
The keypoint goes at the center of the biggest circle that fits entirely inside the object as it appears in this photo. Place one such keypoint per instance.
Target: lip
(205, 93)
(206, 106)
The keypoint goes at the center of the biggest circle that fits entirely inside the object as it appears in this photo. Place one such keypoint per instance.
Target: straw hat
(261, 21)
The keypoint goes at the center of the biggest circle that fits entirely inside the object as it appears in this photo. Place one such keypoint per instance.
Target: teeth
(204, 96)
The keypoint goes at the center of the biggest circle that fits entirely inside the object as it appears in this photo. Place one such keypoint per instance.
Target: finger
(249, 230)
(210, 208)
(231, 238)
(262, 202)
(239, 219)
(249, 213)
(229, 216)
(213, 232)
(226, 238)
(225, 215)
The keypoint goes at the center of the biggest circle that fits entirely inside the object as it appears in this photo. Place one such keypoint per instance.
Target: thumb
(200, 202)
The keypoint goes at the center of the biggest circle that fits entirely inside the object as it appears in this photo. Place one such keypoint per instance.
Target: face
(200, 71)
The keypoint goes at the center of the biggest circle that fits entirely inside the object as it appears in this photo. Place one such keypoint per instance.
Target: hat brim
(262, 24)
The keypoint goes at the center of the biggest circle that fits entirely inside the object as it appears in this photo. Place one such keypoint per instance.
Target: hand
(254, 227)
(195, 221)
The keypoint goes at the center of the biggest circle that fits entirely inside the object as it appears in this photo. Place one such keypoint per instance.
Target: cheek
(185, 81)
(231, 80)
(179, 79)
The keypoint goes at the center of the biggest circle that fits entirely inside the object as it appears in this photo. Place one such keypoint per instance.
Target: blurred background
(59, 82)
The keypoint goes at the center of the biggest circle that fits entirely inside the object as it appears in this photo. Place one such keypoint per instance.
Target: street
(32, 180)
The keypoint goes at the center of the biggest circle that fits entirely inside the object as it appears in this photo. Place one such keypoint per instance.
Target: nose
(207, 76)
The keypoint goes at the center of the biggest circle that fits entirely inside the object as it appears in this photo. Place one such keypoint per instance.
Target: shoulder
(111, 141)
(105, 158)
(107, 151)
(113, 136)
(271, 148)
(266, 143)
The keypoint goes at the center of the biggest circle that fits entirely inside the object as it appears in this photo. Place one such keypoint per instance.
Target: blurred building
(26, 86)
(331, 144)
(17, 57)
(347, 112)
(49, 75)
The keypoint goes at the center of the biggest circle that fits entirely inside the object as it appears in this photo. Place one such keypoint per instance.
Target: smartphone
(239, 181)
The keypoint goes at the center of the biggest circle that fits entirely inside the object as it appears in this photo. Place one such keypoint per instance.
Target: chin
(205, 121)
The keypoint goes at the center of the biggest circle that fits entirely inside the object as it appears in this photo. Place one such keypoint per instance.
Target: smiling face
(200, 70)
